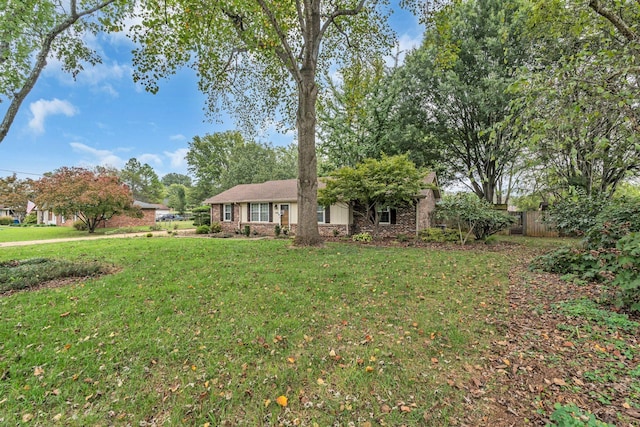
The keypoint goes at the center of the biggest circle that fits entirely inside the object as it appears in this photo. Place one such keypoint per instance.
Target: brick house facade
(264, 206)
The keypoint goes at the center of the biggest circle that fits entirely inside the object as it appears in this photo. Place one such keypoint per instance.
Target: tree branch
(41, 62)
(340, 12)
(626, 31)
(287, 56)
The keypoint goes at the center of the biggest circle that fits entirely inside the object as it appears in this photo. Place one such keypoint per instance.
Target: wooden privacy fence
(532, 224)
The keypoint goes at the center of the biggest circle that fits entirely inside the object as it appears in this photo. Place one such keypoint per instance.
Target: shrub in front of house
(216, 227)
(79, 225)
(203, 229)
(439, 235)
(362, 237)
(247, 231)
(6, 220)
(30, 219)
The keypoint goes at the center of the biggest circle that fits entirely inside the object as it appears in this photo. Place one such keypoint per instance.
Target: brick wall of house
(267, 228)
(122, 221)
(405, 224)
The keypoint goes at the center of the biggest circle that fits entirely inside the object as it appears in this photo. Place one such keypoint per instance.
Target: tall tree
(15, 193)
(31, 31)
(177, 194)
(94, 196)
(251, 53)
(176, 178)
(143, 181)
(222, 160)
(580, 97)
(456, 84)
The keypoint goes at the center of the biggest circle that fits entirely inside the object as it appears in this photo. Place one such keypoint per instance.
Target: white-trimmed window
(320, 212)
(259, 212)
(385, 215)
(228, 212)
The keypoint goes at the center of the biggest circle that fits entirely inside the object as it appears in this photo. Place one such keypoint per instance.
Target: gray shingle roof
(281, 191)
(276, 191)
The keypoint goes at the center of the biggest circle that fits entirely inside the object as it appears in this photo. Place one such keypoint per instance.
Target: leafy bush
(277, 230)
(362, 237)
(439, 235)
(247, 231)
(472, 215)
(6, 220)
(617, 218)
(574, 215)
(80, 226)
(627, 272)
(618, 266)
(30, 219)
(203, 229)
(155, 227)
(216, 227)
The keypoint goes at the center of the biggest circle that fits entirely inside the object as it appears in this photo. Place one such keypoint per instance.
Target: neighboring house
(149, 211)
(263, 206)
(162, 210)
(118, 221)
(6, 211)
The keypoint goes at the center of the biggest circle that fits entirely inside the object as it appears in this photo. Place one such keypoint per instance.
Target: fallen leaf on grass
(385, 409)
(65, 314)
(369, 369)
(27, 417)
(38, 371)
(282, 401)
(405, 408)
(559, 381)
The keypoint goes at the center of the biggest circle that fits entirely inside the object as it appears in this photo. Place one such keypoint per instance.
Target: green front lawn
(196, 331)
(21, 234)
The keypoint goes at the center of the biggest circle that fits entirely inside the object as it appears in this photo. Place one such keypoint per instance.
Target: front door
(284, 216)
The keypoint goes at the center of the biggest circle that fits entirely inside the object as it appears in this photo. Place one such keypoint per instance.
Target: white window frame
(259, 212)
(228, 213)
(386, 210)
(320, 210)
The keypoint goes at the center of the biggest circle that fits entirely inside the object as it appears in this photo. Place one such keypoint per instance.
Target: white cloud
(43, 108)
(178, 157)
(97, 157)
(406, 43)
(178, 137)
(150, 159)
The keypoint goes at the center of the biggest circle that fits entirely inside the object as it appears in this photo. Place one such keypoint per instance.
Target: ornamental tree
(93, 196)
(15, 194)
(372, 185)
(472, 215)
(252, 56)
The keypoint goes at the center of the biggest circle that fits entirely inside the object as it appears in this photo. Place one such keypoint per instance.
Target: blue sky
(103, 118)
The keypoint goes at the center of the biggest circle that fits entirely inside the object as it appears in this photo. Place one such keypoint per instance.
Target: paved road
(73, 239)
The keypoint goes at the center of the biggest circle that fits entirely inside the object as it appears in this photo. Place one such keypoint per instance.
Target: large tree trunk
(307, 232)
